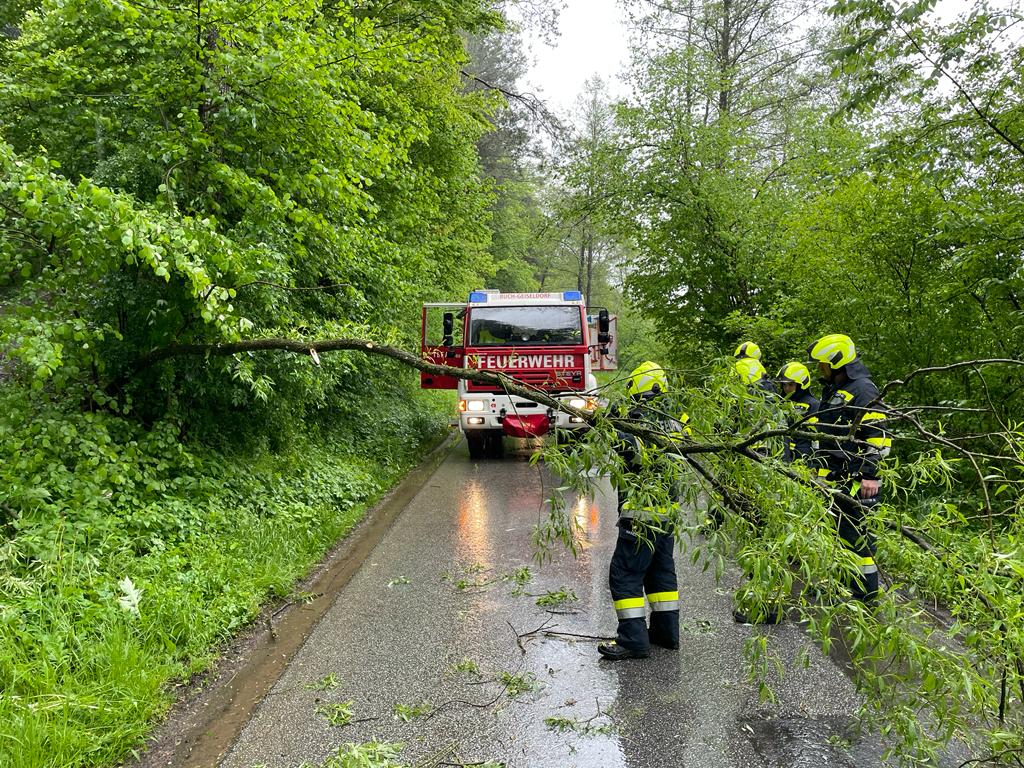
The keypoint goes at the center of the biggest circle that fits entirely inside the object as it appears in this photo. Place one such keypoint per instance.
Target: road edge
(211, 709)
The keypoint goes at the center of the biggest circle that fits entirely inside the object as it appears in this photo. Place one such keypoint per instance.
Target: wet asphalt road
(431, 596)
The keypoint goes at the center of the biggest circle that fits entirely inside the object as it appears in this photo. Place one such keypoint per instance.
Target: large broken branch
(686, 449)
(504, 382)
(300, 347)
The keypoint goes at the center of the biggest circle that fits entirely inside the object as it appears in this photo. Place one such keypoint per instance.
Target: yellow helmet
(796, 373)
(647, 378)
(750, 370)
(747, 349)
(835, 349)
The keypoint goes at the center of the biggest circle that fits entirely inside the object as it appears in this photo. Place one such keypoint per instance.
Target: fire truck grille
(538, 379)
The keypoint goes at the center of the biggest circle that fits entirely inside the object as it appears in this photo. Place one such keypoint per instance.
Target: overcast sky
(592, 40)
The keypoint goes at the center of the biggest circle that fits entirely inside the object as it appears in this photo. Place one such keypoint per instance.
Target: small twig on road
(437, 759)
(476, 705)
(548, 631)
(519, 638)
(521, 635)
(551, 633)
(600, 713)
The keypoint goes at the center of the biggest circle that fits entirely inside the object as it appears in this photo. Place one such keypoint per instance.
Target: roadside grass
(206, 539)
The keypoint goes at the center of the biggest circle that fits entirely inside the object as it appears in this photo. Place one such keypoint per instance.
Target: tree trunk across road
(423, 642)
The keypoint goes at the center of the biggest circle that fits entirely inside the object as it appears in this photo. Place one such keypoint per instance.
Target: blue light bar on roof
(477, 296)
(572, 296)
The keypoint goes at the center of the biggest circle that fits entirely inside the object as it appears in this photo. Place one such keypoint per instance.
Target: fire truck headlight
(475, 420)
(578, 402)
(474, 405)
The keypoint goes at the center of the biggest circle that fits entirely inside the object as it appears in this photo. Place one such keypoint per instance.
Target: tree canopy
(185, 186)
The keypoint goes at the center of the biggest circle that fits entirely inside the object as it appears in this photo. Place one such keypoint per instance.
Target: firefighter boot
(615, 652)
(756, 612)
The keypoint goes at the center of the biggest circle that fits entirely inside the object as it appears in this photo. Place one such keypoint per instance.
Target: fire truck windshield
(525, 325)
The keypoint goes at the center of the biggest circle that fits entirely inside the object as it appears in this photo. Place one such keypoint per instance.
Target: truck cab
(542, 340)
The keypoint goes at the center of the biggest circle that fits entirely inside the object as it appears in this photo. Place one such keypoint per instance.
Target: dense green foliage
(243, 171)
(824, 177)
(203, 173)
(217, 171)
(780, 174)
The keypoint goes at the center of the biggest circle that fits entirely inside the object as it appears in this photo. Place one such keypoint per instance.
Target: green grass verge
(127, 560)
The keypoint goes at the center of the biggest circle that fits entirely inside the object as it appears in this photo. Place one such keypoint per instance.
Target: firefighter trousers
(858, 539)
(644, 565)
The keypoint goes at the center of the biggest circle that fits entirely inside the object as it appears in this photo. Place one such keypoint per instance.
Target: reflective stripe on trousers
(633, 607)
(630, 608)
(664, 601)
(867, 565)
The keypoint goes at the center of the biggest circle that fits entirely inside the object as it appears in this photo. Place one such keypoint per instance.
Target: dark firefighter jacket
(803, 416)
(629, 448)
(768, 398)
(767, 386)
(852, 409)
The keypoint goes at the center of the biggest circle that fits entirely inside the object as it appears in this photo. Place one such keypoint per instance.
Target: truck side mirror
(449, 330)
(603, 326)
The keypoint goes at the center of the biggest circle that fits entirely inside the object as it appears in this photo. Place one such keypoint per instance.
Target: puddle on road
(793, 742)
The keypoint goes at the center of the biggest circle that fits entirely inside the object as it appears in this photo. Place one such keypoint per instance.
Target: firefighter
(750, 368)
(753, 373)
(643, 562)
(747, 349)
(850, 408)
(795, 381)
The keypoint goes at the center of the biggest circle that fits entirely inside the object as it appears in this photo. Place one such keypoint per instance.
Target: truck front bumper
(495, 419)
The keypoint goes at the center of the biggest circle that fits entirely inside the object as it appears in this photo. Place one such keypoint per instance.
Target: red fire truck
(543, 340)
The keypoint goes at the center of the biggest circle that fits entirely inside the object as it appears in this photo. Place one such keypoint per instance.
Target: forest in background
(225, 170)
(785, 170)
(212, 172)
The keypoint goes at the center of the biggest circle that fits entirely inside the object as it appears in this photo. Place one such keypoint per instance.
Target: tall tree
(722, 94)
(583, 179)
(497, 65)
(246, 168)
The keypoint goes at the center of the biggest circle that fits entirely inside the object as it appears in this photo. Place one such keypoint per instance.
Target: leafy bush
(129, 557)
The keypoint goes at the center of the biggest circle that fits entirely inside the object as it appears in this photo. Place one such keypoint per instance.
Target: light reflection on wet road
(438, 591)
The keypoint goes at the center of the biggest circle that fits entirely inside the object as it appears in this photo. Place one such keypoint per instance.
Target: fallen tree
(959, 677)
